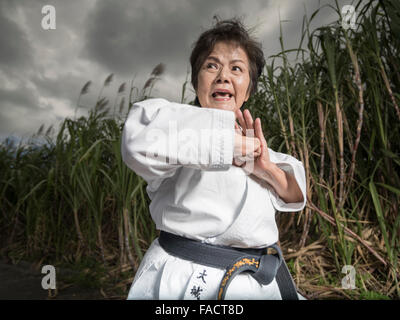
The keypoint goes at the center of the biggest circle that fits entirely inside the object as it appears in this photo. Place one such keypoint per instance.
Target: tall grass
(72, 200)
(336, 108)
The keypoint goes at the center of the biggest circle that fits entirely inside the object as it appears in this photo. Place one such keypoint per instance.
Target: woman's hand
(284, 183)
(252, 129)
(246, 148)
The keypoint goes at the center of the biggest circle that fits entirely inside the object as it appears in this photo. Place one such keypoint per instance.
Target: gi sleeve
(159, 137)
(295, 167)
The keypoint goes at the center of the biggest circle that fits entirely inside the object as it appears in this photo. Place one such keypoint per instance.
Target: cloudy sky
(42, 71)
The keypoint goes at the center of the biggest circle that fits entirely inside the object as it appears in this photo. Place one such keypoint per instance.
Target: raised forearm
(283, 183)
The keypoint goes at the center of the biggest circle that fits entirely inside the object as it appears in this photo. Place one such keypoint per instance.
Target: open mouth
(222, 95)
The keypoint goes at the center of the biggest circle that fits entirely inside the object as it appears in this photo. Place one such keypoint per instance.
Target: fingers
(238, 129)
(251, 147)
(246, 121)
(249, 121)
(242, 122)
(263, 141)
(238, 163)
(254, 143)
(258, 132)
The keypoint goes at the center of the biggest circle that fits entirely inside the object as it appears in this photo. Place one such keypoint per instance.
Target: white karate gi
(197, 193)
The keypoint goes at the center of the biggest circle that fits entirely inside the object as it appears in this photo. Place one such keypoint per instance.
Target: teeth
(223, 94)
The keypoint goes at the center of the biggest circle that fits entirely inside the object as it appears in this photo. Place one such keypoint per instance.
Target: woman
(214, 184)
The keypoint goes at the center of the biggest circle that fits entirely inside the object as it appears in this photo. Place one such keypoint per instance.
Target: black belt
(262, 263)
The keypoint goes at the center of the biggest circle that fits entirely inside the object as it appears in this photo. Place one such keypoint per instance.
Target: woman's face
(224, 78)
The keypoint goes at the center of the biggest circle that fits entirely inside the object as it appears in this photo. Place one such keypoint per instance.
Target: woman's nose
(223, 76)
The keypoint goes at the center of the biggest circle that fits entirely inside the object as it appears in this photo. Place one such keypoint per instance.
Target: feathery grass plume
(102, 103)
(133, 95)
(108, 80)
(154, 76)
(49, 130)
(85, 88)
(121, 88)
(158, 70)
(121, 104)
(40, 131)
(148, 83)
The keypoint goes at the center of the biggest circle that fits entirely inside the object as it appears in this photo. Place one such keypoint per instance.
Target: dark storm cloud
(19, 97)
(128, 37)
(15, 53)
(17, 106)
(292, 20)
(65, 86)
(36, 86)
(42, 72)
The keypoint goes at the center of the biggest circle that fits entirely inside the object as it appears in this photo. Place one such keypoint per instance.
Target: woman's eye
(236, 68)
(211, 65)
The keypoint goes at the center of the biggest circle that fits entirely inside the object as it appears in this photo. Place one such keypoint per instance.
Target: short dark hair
(231, 30)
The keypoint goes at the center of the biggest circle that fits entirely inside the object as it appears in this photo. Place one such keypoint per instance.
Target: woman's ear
(245, 100)
(248, 93)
